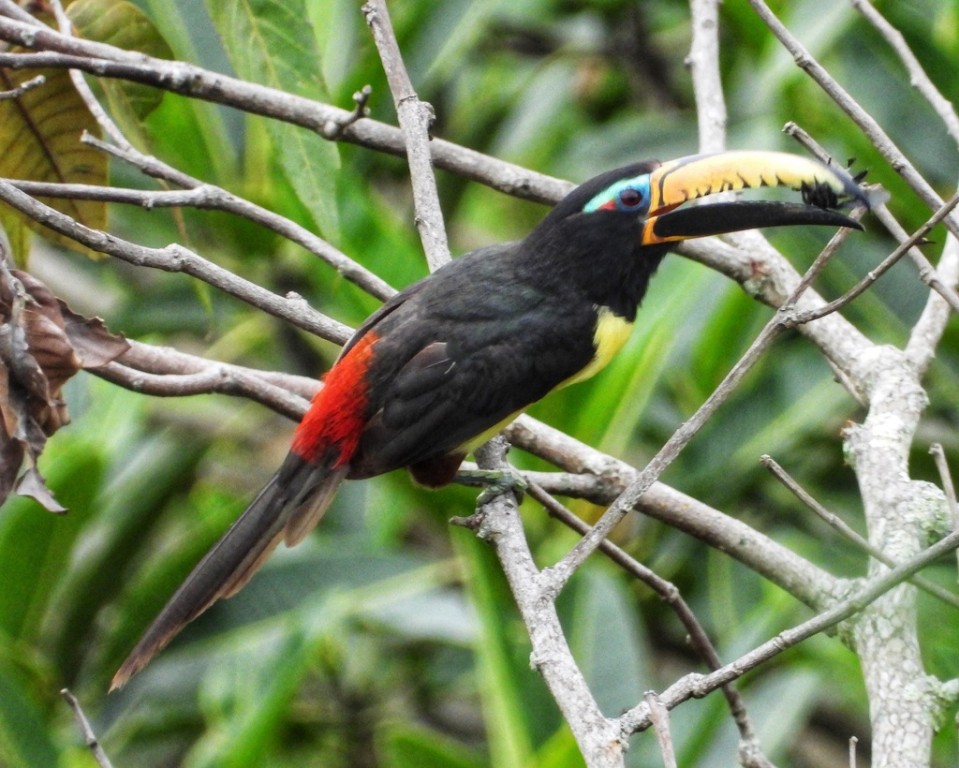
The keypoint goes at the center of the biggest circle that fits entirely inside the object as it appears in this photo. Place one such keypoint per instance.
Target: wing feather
(287, 508)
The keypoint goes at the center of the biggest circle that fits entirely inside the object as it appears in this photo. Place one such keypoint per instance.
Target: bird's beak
(824, 190)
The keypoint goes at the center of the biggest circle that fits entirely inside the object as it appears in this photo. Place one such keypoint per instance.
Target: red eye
(630, 199)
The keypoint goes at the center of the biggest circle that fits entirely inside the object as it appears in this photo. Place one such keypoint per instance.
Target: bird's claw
(495, 482)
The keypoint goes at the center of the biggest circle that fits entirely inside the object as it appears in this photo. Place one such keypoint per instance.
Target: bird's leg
(494, 482)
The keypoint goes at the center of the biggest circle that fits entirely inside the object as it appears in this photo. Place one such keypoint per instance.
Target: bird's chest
(609, 335)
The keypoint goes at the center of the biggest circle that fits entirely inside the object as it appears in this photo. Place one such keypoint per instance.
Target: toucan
(446, 363)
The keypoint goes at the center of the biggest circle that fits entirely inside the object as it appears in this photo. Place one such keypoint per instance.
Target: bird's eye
(629, 199)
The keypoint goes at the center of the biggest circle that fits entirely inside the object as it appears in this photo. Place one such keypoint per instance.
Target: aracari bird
(446, 363)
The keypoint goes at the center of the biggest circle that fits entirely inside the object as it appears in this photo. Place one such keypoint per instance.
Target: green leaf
(40, 140)
(36, 546)
(411, 747)
(198, 127)
(608, 640)
(271, 42)
(124, 520)
(248, 703)
(122, 24)
(24, 738)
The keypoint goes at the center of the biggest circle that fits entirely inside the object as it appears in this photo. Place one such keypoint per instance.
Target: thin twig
(416, 121)
(659, 717)
(334, 129)
(204, 196)
(866, 122)
(945, 477)
(939, 456)
(176, 258)
(26, 85)
(838, 524)
(105, 60)
(929, 274)
(917, 75)
(874, 274)
(13, 10)
(563, 570)
(942, 280)
(221, 378)
(89, 737)
(606, 479)
(86, 94)
(168, 360)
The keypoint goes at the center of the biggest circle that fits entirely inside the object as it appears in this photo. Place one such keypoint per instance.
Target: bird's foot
(494, 482)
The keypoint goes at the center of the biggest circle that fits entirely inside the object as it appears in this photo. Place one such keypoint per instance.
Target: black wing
(460, 352)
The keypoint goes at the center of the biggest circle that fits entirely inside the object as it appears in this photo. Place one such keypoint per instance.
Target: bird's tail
(287, 508)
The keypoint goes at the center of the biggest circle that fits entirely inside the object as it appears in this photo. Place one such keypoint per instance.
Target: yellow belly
(611, 333)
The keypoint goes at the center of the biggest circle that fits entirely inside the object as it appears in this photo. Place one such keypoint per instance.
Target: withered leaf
(42, 344)
(91, 340)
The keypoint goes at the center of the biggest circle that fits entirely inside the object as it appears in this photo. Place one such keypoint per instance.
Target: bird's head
(650, 195)
(610, 233)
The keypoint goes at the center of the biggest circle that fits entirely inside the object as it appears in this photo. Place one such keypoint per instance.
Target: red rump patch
(332, 426)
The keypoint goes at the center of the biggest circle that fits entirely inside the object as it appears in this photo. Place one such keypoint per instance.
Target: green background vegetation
(389, 638)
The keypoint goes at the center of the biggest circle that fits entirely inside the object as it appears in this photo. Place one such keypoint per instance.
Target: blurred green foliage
(389, 638)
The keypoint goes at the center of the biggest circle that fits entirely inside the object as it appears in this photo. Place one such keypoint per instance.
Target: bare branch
(670, 594)
(167, 360)
(939, 456)
(598, 737)
(561, 572)
(189, 80)
(928, 330)
(877, 272)
(218, 378)
(703, 63)
(608, 477)
(176, 258)
(204, 196)
(27, 85)
(696, 686)
(659, 717)
(416, 120)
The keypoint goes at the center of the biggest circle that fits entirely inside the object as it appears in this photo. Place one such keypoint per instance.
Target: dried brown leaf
(91, 339)
(32, 484)
(42, 344)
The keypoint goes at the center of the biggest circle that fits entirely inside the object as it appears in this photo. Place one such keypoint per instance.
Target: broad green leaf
(270, 42)
(414, 747)
(187, 30)
(247, 705)
(36, 546)
(122, 24)
(559, 751)
(40, 141)
(608, 640)
(126, 514)
(24, 738)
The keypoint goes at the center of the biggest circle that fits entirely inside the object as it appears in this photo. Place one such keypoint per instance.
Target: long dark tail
(287, 508)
